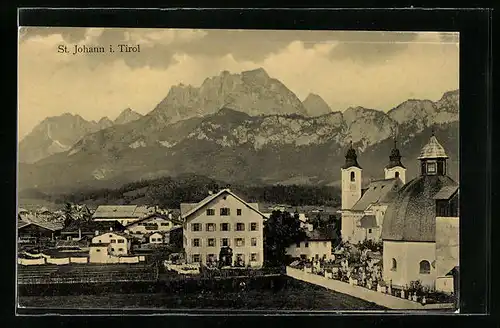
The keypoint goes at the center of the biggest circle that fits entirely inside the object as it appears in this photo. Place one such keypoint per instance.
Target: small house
(156, 238)
(118, 243)
(125, 214)
(316, 246)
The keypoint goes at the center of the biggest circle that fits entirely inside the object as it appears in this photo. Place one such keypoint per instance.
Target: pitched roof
(379, 191)
(368, 221)
(54, 226)
(152, 215)
(210, 198)
(114, 232)
(317, 235)
(186, 207)
(432, 149)
(121, 211)
(412, 214)
(92, 226)
(446, 192)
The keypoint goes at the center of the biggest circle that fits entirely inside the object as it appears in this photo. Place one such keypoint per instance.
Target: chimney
(110, 228)
(210, 192)
(97, 232)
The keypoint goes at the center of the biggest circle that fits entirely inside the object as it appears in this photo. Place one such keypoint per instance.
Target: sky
(376, 70)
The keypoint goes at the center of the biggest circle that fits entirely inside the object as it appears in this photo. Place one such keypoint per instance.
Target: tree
(280, 231)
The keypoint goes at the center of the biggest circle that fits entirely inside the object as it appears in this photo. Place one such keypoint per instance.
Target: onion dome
(432, 150)
(395, 158)
(351, 159)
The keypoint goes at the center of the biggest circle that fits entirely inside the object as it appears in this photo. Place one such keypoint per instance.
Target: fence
(385, 300)
(39, 261)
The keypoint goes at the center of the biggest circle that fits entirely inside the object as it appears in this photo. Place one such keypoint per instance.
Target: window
(153, 239)
(210, 257)
(370, 230)
(298, 245)
(353, 176)
(425, 267)
(112, 241)
(441, 168)
(121, 241)
(164, 224)
(110, 236)
(253, 226)
(225, 211)
(196, 227)
(224, 227)
(396, 175)
(112, 249)
(210, 226)
(120, 249)
(254, 241)
(225, 242)
(306, 245)
(253, 257)
(316, 256)
(196, 242)
(238, 211)
(394, 265)
(324, 243)
(98, 250)
(240, 242)
(240, 227)
(210, 211)
(431, 168)
(196, 258)
(211, 242)
(100, 241)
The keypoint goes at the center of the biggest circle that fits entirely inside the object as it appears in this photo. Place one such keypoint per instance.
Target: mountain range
(59, 133)
(246, 128)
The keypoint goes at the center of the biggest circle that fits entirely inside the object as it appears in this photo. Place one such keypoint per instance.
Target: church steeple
(395, 157)
(395, 169)
(351, 159)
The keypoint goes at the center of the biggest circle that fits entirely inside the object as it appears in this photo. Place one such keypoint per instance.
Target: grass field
(294, 296)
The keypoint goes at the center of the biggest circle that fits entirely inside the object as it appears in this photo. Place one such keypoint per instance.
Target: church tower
(395, 169)
(433, 158)
(351, 179)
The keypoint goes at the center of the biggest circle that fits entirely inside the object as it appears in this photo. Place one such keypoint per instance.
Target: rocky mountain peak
(126, 116)
(315, 105)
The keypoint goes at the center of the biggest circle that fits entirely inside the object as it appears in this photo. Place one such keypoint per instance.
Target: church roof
(446, 192)
(412, 214)
(432, 150)
(368, 221)
(378, 191)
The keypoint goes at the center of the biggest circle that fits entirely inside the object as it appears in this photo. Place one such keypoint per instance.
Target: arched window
(425, 267)
(396, 175)
(394, 265)
(353, 176)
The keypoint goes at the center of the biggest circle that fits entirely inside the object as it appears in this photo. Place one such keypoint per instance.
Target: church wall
(447, 244)
(408, 256)
(349, 230)
(391, 173)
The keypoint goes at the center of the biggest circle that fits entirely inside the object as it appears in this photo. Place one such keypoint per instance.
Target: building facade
(219, 221)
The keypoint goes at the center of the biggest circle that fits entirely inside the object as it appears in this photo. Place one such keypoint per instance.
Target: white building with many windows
(223, 220)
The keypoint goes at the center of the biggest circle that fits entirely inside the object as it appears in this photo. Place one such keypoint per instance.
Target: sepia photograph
(237, 170)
